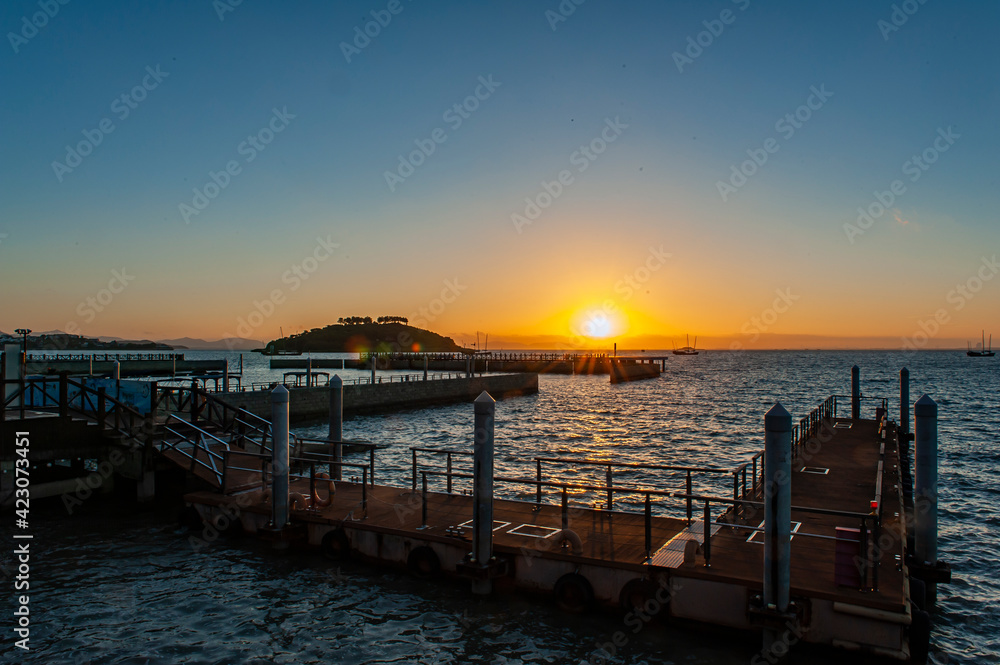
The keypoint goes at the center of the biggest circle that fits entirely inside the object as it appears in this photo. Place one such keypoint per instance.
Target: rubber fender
(574, 593)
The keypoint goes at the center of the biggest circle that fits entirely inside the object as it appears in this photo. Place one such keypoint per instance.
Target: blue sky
(657, 184)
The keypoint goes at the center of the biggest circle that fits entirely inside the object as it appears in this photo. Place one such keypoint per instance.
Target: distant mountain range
(77, 342)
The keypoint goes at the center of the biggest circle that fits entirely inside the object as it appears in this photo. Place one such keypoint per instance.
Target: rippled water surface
(111, 585)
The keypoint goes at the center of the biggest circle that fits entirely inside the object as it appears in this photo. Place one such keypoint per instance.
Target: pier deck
(613, 542)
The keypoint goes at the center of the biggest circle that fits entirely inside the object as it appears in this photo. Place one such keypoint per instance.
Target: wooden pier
(600, 544)
(496, 361)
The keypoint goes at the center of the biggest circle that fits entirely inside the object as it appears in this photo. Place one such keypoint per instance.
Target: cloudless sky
(443, 239)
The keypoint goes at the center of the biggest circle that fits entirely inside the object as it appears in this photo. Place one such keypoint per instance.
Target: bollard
(777, 512)
(482, 524)
(336, 433)
(855, 393)
(925, 447)
(279, 459)
(904, 405)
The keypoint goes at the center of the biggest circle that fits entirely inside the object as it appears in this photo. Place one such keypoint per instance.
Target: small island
(362, 334)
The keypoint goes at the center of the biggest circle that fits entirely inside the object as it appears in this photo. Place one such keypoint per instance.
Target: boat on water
(983, 351)
(688, 350)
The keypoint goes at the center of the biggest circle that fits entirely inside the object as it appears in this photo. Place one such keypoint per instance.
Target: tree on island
(363, 320)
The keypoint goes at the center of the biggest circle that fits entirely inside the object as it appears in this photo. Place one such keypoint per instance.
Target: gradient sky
(450, 222)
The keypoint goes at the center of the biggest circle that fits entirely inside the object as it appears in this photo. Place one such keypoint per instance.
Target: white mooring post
(855, 393)
(904, 404)
(482, 517)
(279, 484)
(925, 453)
(777, 512)
(336, 433)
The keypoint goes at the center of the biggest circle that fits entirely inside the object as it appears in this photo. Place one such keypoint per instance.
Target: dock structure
(807, 541)
(514, 361)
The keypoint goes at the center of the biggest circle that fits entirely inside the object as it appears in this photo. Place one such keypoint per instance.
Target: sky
(564, 174)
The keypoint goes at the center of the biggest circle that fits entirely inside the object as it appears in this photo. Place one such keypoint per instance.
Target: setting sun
(598, 322)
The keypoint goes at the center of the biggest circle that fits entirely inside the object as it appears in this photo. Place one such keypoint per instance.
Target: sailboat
(983, 351)
(688, 350)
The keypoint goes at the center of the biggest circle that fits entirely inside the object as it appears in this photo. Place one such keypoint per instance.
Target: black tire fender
(574, 593)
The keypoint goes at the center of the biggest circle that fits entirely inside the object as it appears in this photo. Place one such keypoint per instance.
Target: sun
(598, 322)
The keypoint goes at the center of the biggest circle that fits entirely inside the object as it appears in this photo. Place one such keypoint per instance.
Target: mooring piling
(855, 393)
(482, 525)
(777, 512)
(225, 375)
(279, 482)
(925, 444)
(336, 432)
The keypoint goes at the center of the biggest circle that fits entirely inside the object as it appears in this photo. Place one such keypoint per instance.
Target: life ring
(335, 545)
(423, 562)
(574, 593)
(298, 502)
(330, 491)
(636, 594)
(920, 635)
(569, 536)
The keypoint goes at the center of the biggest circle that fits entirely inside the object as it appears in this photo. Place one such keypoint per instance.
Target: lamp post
(24, 332)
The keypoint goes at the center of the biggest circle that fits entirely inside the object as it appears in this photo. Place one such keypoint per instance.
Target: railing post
(482, 525)
(904, 405)
(565, 509)
(279, 482)
(707, 534)
(102, 407)
(777, 512)
(371, 464)
(925, 453)
(611, 492)
(194, 401)
(649, 528)
(690, 507)
(855, 393)
(449, 472)
(413, 466)
(423, 500)
(63, 395)
(336, 429)
(538, 482)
